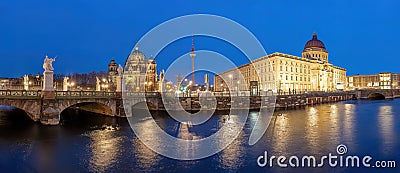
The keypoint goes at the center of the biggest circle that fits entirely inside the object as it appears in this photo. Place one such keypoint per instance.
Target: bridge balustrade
(140, 94)
(22, 94)
(85, 94)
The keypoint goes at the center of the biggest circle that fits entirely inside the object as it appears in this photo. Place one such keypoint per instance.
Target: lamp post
(222, 89)
(231, 82)
(237, 88)
(190, 89)
(280, 85)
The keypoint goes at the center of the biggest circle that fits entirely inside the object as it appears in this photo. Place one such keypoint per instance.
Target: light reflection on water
(385, 119)
(348, 121)
(104, 147)
(109, 145)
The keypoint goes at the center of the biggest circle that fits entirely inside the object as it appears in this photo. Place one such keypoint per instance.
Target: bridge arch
(101, 106)
(30, 107)
(376, 96)
(72, 115)
(14, 113)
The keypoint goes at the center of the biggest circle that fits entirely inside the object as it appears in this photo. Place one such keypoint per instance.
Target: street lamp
(237, 88)
(230, 78)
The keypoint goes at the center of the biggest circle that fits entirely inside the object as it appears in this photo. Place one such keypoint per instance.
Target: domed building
(315, 49)
(289, 74)
(140, 74)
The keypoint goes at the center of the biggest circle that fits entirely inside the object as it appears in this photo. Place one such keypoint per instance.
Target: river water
(86, 142)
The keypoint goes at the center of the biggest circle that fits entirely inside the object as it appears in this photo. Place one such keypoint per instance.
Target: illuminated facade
(285, 73)
(384, 80)
(140, 73)
(112, 75)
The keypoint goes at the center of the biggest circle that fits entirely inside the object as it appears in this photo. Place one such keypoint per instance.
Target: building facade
(112, 75)
(140, 73)
(283, 73)
(384, 80)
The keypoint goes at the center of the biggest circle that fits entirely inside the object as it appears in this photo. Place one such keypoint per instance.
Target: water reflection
(281, 132)
(146, 157)
(386, 127)
(232, 157)
(334, 120)
(109, 145)
(105, 147)
(348, 123)
(312, 129)
(184, 133)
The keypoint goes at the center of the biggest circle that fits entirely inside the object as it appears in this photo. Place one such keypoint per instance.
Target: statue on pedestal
(120, 70)
(48, 63)
(48, 74)
(97, 84)
(65, 83)
(26, 82)
(161, 83)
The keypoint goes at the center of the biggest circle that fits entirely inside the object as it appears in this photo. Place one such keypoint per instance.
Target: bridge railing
(84, 94)
(22, 94)
(140, 94)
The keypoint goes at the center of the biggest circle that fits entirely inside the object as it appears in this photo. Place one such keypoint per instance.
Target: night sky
(361, 36)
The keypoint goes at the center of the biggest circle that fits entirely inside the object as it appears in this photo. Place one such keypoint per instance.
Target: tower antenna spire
(192, 54)
(192, 43)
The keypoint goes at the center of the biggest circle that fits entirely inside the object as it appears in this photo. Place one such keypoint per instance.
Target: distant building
(140, 73)
(179, 80)
(384, 80)
(285, 73)
(12, 83)
(29, 82)
(112, 74)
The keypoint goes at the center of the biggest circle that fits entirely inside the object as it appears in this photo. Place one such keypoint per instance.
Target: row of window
(296, 70)
(296, 78)
(315, 56)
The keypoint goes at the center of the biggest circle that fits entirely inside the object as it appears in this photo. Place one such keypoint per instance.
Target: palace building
(283, 73)
(384, 80)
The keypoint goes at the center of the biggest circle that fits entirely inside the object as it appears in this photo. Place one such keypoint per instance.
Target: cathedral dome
(314, 43)
(137, 55)
(136, 61)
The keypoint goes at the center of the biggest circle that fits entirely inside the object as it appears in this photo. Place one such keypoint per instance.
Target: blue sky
(360, 36)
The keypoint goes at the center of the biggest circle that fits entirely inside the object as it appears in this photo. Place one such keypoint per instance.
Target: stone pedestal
(48, 81)
(48, 95)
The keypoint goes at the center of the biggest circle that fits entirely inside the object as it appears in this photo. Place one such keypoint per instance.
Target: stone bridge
(377, 93)
(40, 107)
(47, 106)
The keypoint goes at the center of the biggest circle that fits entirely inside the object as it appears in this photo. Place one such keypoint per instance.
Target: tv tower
(192, 54)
